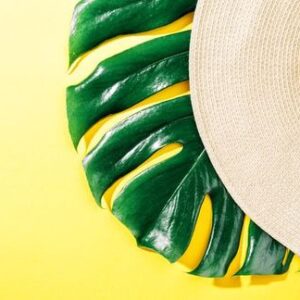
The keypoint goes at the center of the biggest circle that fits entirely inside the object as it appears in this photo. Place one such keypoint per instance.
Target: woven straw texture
(245, 83)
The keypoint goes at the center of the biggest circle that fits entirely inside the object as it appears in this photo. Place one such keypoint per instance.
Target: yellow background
(55, 242)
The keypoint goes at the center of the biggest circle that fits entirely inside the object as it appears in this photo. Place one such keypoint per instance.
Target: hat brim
(245, 88)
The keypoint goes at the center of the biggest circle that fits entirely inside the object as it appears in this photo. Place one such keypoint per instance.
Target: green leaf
(225, 236)
(95, 21)
(126, 79)
(264, 254)
(161, 204)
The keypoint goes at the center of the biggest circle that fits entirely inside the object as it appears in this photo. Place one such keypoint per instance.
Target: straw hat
(245, 83)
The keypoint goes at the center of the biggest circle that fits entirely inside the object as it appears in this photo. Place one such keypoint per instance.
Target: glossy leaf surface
(94, 21)
(264, 254)
(126, 79)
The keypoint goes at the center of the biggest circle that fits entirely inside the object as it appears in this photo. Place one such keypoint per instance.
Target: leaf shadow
(255, 280)
(228, 282)
(265, 280)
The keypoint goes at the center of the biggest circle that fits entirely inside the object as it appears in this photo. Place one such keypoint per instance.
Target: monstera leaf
(95, 20)
(159, 204)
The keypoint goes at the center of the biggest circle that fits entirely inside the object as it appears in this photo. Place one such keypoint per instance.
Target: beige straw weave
(245, 83)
